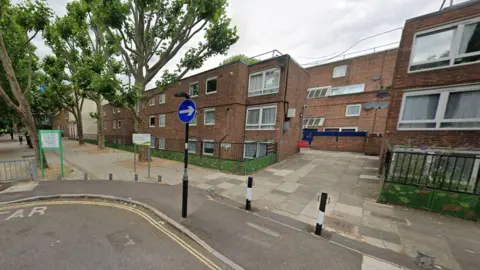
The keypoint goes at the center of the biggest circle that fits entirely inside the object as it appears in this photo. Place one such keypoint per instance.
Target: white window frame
(454, 46)
(353, 105)
(191, 122)
(150, 121)
(198, 92)
(195, 141)
(104, 125)
(205, 117)
(104, 114)
(113, 110)
(154, 139)
(118, 110)
(340, 129)
(160, 100)
(338, 67)
(151, 102)
(258, 148)
(322, 88)
(114, 124)
(262, 90)
(441, 109)
(164, 143)
(206, 85)
(322, 120)
(119, 124)
(349, 85)
(257, 126)
(164, 120)
(203, 147)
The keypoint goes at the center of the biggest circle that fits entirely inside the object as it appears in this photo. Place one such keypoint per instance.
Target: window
(318, 92)
(261, 118)
(194, 121)
(313, 122)
(152, 141)
(264, 82)
(104, 125)
(118, 110)
(119, 125)
(450, 45)
(208, 147)
(348, 89)
(453, 109)
(339, 71)
(211, 85)
(192, 146)
(193, 89)
(104, 114)
(115, 139)
(161, 143)
(152, 121)
(353, 110)
(113, 110)
(340, 129)
(114, 124)
(161, 98)
(255, 149)
(161, 120)
(151, 102)
(209, 117)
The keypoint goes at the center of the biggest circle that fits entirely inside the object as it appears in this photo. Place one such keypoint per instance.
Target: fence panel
(16, 170)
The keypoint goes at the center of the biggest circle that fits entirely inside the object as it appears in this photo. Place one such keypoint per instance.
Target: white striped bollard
(248, 204)
(321, 214)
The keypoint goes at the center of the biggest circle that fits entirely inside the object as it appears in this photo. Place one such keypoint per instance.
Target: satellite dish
(383, 94)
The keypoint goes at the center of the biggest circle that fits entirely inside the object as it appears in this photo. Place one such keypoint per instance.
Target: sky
(307, 30)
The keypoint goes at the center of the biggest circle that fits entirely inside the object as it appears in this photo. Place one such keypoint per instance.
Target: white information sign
(141, 139)
(50, 140)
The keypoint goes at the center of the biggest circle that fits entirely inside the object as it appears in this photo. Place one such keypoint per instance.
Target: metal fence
(15, 170)
(444, 171)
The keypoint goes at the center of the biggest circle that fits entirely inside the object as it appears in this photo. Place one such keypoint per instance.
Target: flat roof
(436, 13)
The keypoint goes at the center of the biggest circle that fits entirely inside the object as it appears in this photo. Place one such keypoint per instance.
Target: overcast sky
(306, 29)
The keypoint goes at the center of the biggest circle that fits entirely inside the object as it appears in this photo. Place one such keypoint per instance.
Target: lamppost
(185, 160)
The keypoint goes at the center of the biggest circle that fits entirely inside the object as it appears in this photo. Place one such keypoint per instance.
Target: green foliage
(239, 57)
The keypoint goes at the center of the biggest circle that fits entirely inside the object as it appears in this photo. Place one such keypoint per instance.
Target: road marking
(263, 229)
(149, 219)
(40, 210)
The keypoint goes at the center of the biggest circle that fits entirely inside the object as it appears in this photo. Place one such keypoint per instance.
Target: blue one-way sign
(187, 110)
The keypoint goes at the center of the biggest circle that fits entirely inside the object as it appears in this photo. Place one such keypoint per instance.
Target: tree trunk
(32, 131)
(100, 128)
(80, 127)
(142, 149)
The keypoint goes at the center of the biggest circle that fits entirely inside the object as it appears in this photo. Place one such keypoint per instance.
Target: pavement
(289, 191)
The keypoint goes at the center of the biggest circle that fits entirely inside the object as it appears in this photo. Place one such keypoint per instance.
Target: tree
(17, 57)
(84, 65)
(150, 33)
(240, 57)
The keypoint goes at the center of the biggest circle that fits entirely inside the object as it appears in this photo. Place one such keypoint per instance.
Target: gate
(17, 170)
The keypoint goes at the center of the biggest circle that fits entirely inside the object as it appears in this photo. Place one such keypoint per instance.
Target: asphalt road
(77, 236)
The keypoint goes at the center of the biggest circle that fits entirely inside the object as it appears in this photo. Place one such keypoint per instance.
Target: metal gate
(17, 170)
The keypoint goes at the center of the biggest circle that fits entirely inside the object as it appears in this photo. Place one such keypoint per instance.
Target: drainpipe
(284, 112)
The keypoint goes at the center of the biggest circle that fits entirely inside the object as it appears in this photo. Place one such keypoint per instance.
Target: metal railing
(445, 171)
(17, 170)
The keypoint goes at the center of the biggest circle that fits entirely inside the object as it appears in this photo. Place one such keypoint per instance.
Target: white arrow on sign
(189, 111)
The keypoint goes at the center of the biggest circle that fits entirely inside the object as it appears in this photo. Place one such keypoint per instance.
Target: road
(54, 235)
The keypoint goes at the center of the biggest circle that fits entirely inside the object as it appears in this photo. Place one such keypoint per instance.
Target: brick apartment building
(350, 95)
(117, 124)
(435, 101)
(258, 104)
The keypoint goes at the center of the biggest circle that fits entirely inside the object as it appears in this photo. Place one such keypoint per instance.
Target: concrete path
(249, 240)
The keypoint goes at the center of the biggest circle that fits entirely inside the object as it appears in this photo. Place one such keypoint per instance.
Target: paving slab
(348, 209)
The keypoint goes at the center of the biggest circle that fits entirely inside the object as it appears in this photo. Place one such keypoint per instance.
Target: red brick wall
(346, 144)
(126, 130)
(373, 144)
(359, 70)
(439, 77)
(61, 120)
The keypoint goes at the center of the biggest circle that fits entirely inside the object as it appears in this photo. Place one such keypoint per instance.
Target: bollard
(136, 177)
(85, 176)
(321, 214)
(248, 204)
(59, 177)
(159, 178)
(110, 176)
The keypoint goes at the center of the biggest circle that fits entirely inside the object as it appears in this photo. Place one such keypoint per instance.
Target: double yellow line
(148, 218)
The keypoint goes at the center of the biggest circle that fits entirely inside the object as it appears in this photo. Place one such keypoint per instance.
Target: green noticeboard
(50, 140)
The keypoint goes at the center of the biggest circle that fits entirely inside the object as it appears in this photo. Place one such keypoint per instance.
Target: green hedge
(450, 203)
(233, 166)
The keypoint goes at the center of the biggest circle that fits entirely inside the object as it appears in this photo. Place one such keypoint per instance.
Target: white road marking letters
(40, 210)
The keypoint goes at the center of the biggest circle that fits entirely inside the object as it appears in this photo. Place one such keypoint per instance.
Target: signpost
(141, 139)
(186, 112)
(50, 140)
